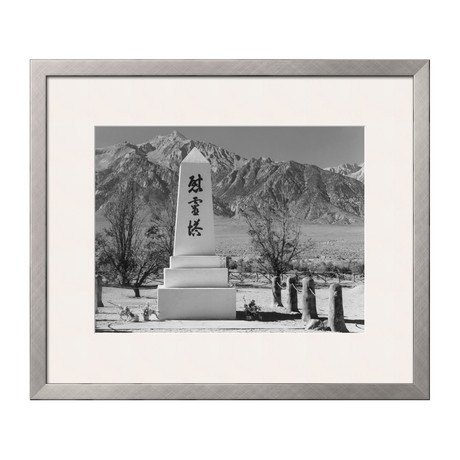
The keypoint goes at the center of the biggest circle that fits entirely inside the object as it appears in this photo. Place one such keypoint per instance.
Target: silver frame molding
(42, 69)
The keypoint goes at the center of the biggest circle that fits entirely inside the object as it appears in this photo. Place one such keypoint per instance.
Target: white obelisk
(195, 285)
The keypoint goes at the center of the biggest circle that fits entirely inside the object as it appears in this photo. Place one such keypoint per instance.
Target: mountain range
(323, 196)
(354, 170)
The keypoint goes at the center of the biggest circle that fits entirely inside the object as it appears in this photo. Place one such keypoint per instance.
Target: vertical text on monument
(194, 219)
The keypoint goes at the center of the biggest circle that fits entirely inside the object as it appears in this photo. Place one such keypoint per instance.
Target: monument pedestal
(196, 303)
(195, 277)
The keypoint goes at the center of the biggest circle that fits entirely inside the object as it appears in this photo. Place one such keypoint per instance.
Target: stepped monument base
(196, 303)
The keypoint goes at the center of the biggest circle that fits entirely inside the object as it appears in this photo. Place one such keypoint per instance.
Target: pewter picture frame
(42, 70)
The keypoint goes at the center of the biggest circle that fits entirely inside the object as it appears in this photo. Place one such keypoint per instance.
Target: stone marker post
(98, 291)
(336, 320)
(308, 300)
(276, 292)
(291, 301)
(309, 313)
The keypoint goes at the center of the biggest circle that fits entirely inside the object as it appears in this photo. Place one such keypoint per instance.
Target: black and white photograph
(229, 229)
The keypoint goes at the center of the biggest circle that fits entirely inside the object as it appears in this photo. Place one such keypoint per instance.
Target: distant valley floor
(331, 241)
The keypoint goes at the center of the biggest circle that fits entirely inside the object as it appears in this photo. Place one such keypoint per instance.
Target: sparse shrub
(320, 267)
(256, 265)
(357, 268)
(232, 264)
(342, 267)
(302, 266)
(241, 266)
(250, 266)
(329, 267)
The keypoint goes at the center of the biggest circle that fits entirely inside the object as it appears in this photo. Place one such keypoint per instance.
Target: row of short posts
(335, 322)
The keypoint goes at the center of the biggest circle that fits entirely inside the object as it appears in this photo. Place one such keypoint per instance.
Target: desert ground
(274, 319)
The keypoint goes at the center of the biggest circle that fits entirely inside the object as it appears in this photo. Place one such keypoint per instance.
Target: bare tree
(163, 215)
(276, 236)
(125, 251)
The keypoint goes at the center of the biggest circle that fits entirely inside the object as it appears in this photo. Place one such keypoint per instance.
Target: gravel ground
(275, 319)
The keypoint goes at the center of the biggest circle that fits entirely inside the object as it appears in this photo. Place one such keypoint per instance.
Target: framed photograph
(224, 229)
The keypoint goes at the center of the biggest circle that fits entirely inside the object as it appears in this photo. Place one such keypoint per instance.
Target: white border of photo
(382, 354)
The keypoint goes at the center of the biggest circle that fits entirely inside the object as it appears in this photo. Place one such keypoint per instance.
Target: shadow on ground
(271, 316)
(347, 321)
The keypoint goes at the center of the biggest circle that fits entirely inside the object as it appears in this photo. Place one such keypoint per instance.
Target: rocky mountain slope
(321, 196)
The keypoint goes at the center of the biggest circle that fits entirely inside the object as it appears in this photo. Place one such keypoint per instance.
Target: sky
(318, 145)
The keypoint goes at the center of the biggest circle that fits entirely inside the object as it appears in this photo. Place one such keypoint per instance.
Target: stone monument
(195, 285)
